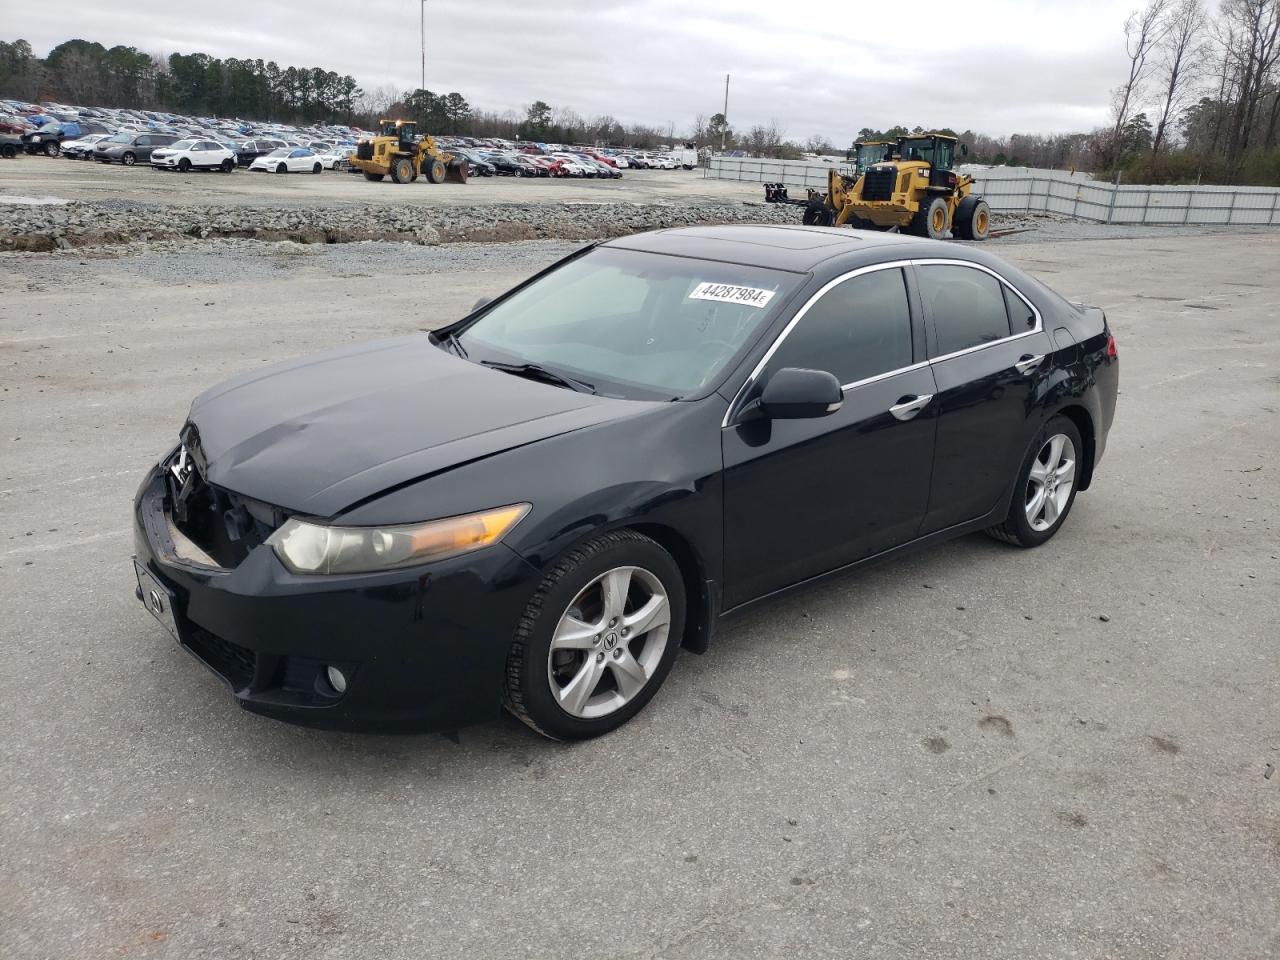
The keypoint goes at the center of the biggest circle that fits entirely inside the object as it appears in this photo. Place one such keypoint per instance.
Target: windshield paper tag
(727, 293)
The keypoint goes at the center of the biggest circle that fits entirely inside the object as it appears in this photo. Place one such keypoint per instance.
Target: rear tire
(1046, 486)
(8, 151)
(316, 168)
(227, 166)
(931, 219)
(973, 219)
(616, 675)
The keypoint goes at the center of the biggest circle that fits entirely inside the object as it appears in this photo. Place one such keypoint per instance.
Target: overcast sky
(822, 67)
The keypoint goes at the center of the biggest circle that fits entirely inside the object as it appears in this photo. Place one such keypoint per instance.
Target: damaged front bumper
(420, 648)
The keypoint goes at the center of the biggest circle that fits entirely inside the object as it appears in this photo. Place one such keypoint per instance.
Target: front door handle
(1028, 363)
(908, 407)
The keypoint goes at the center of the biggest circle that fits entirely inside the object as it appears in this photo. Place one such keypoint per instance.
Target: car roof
(797, 248)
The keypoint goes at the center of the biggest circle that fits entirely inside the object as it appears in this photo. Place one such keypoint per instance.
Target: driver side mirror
(482, 302)
(793, 393)
(964, 149)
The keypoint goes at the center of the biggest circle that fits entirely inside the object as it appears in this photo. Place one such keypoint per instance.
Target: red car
(602, 158)
(552, 166)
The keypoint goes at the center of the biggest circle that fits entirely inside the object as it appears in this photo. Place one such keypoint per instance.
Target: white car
(664, 163)
(330, 159)
(194, 154)
(288, 160)
(574, 165)
(82, 147)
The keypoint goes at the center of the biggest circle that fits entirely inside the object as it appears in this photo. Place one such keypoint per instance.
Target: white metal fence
(1052, 191)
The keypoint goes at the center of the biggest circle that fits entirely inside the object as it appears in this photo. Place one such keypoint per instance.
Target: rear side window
(860, 328)
(967, 306)
(1021, 317)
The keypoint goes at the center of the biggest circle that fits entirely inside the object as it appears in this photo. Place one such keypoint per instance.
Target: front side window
(967, 306)
(860, 328)
(633, 324)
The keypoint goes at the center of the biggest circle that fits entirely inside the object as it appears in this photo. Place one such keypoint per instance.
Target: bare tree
(1143, 31)
(1181, 53)
(1254, 26)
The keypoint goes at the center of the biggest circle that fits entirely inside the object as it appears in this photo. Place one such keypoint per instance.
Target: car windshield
(120, 138)
(632, 324)
(183, 145)
(282, 152)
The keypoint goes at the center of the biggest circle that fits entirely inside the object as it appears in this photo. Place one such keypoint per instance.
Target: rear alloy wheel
(227, 166)
(316, 168)
(1046, 489)
(129, 159)
(598, 637)
(184, 165)
(931, 219)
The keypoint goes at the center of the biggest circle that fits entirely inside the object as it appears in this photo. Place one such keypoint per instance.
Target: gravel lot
(59, 204)
(972, 752)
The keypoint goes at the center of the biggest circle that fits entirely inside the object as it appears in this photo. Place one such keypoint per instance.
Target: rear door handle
(908, 407)
(1028, 363)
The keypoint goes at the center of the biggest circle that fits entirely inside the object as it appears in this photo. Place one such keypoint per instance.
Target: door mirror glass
(793, 393)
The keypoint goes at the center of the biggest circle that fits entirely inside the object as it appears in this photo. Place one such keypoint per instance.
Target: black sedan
(539, 504)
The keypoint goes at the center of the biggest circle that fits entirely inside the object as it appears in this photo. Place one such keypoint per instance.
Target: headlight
(317, 548)
(36, 138)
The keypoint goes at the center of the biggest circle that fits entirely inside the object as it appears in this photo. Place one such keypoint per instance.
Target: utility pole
(725, 129)
(422, 28)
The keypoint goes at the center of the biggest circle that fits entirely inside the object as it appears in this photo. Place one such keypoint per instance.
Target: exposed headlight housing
(314, 548)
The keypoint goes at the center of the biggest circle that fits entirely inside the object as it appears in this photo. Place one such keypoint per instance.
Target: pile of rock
(92, 223)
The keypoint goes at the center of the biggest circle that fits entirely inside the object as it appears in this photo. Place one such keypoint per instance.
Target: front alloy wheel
(609, 642)
(598, 637)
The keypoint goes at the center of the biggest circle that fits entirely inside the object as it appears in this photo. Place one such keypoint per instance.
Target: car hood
(319, 434)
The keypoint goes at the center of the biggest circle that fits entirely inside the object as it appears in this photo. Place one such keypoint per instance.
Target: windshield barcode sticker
(727, 293)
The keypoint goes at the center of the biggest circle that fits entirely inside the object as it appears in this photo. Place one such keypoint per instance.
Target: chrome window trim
(871, 268)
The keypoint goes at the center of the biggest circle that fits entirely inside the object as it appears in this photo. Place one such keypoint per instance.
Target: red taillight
(1111, 346)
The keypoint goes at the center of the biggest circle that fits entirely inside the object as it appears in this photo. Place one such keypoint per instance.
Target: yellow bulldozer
(913, 188)
(397, 151)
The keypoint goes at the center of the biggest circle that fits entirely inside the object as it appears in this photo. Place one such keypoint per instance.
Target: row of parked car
(170, 141)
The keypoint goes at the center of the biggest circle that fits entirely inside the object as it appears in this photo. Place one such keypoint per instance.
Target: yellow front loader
(397, 151)
(914, 189)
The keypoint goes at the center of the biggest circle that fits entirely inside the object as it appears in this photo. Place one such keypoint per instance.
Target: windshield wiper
(449, 341)
(535, 372)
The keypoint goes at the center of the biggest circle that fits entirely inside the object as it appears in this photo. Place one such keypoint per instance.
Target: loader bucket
(457, 170)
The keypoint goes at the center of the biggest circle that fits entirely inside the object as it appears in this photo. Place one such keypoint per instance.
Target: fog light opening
(337, 679)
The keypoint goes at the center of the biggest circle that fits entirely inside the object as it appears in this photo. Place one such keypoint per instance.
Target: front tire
(1046, 489)
(184, 165)
(52, 148)
(931, 219)
(374, 177)
(598, 637)
(129, 159)
(436, 171)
